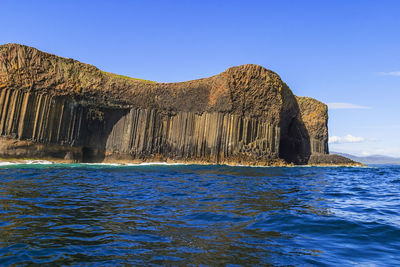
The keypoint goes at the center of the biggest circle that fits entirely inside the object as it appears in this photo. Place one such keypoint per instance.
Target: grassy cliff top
(126, 77)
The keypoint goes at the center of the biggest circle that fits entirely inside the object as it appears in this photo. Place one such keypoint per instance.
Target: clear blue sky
(335, 51)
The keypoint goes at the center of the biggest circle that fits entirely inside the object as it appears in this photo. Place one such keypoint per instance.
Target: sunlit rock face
(53, 107)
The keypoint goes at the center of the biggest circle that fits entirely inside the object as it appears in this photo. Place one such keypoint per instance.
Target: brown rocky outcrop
(245, 115)
(331, 160)
(315, 118)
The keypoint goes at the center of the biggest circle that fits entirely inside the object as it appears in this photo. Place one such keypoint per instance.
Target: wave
(46, 162)
(6, 163)
(26, 162)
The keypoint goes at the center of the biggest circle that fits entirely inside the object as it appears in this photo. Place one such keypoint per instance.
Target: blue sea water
(97, 215)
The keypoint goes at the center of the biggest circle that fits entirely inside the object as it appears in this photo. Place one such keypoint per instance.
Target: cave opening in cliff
(294, 146)
(88, 155)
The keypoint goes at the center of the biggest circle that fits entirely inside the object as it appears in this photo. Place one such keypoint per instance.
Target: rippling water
(201, 215)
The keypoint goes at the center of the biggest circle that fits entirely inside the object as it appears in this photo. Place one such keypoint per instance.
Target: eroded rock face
(244, 115)
(314, 115)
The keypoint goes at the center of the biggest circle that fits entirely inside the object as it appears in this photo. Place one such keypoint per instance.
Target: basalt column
(40, 117)
(211, 137)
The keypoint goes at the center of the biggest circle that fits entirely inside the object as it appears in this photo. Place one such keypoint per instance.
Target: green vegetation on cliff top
(126, 77)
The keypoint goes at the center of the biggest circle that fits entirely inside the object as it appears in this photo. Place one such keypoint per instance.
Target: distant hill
(373, 159)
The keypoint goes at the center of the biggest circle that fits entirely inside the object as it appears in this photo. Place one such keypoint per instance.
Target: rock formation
(58, 108)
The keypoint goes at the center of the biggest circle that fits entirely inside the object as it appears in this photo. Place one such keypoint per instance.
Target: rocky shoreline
(170, 162)
(173, 162)
(12, 150)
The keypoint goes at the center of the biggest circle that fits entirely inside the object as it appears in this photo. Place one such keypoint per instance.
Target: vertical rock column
(40, 117)
(139, 133)
(207, 136)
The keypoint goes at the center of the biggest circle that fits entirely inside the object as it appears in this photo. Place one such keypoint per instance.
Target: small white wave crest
(25, 162)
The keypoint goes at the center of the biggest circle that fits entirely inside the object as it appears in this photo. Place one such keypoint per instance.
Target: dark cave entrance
(295, 143)
(88, 155)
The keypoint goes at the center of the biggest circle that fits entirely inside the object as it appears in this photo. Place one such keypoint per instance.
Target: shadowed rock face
(315, 117)
(61, 108)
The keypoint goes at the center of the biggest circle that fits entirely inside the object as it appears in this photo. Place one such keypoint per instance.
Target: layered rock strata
(52, 107)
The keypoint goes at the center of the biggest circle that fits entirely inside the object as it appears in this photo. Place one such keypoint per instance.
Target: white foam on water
(36, 162)
(25, 162)
(154, 163)
(6, 163)
(46, 162)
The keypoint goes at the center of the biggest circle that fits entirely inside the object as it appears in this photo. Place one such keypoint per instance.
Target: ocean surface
(97, 215)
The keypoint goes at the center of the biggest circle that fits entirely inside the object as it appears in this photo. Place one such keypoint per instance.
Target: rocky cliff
(53, 107)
